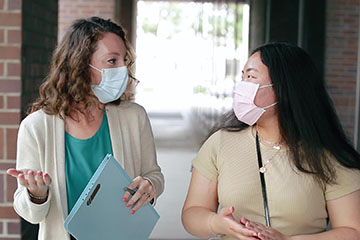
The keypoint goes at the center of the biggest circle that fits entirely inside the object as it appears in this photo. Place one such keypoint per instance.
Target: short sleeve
(206, 160)
(347, 181)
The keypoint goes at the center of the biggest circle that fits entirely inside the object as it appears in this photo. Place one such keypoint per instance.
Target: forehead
(110, 44)
(255, 64)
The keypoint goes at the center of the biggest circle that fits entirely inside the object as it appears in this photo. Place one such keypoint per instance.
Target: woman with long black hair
(279, 164)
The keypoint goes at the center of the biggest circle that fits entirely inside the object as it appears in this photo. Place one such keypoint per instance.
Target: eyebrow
(250, 69)
(113, 53)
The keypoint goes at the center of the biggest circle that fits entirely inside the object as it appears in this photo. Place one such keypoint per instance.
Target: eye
(112, 61)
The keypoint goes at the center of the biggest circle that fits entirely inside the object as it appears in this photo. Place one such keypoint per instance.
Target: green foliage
(200, 89)
(223, 21)
(149, 27)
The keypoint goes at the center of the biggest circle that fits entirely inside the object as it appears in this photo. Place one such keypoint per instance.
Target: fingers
(39, 179)
(135, 183)
(35, 181)
(233, 227)
(243, 235)
(243, 220)
(225, 211)
(13, 172)
(264, 232)
(22, 180)
(146, 197)
(47, 179)
(143, 195)
(240, 230)
(31, 180)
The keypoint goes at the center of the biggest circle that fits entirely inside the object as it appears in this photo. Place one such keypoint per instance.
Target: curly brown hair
(67, 88)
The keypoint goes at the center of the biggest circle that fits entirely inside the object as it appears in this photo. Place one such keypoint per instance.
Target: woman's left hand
(144, 194)
(264, 232)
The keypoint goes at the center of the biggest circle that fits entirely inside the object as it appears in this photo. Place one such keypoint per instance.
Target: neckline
(102, 125)
(252, 133)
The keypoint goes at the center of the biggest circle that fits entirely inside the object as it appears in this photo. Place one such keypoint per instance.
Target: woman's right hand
(225, 223)
(36, 182)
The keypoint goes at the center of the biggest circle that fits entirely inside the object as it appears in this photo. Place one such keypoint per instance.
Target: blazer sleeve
(28, 157)
(150, 169)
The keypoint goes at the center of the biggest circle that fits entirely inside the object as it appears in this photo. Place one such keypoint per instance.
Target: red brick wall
(70, 10)
(10, 89)
(342, 32)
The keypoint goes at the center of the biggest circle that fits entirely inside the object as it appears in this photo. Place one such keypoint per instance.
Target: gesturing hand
(36, 182)
(144, 194)
(225, 223)
(263, 232)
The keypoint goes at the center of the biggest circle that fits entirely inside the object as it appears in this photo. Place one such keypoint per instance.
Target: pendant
(277, 147)
(262, 169)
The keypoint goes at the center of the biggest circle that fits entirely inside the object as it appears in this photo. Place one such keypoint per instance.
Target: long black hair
(307, 119)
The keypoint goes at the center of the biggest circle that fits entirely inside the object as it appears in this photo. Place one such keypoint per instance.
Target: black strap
(263, 184)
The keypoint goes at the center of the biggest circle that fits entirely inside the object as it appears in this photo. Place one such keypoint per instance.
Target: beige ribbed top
(297, 203)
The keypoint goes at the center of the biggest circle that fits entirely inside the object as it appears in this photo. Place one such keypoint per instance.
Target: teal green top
(82, 157)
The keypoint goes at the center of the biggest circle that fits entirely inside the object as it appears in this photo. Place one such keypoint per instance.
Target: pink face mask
(244, 107)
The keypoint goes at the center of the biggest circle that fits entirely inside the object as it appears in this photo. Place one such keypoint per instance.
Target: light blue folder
(100, 213)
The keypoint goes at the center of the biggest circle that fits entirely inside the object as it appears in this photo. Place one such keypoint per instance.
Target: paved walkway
(176, 146)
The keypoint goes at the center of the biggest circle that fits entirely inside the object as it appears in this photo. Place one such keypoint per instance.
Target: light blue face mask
(113, 83)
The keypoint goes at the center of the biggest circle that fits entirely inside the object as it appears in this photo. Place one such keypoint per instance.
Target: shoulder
(224, 136)
(37, 124)
(37, 119)
(347, 180)
(127, 107)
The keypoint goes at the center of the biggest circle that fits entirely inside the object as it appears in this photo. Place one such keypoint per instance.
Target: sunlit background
(189, 57)
(189, 53)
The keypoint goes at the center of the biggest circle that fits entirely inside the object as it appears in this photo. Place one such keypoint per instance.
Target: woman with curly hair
(279, 165)
(82, 114)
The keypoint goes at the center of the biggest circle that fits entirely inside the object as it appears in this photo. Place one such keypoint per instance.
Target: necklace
(263, 169)
(274, 145)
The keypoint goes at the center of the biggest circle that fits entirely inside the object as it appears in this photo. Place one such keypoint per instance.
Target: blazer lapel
(59, 155)
(115, 133)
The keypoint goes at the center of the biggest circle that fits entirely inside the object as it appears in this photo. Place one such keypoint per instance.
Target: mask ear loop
(267, 85)
(95, 67)
(273, 104)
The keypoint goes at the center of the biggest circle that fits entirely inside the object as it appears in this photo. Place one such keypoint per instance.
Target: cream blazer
(41, 146)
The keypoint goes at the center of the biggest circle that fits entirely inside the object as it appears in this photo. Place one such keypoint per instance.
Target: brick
(11, 118)
(14, 70)
(8, 212)
(7, 52)
(10, 86)
(10, 188)
(5, 166)
(2, 38)
(8, 238)
(10, 19)
(11, 139)
(13, 228)
(88, 12)
(14, 5)
(2, 188)
(1, 102)
(2, 69)
(1, 143)
(13, 102)
(14, 36)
